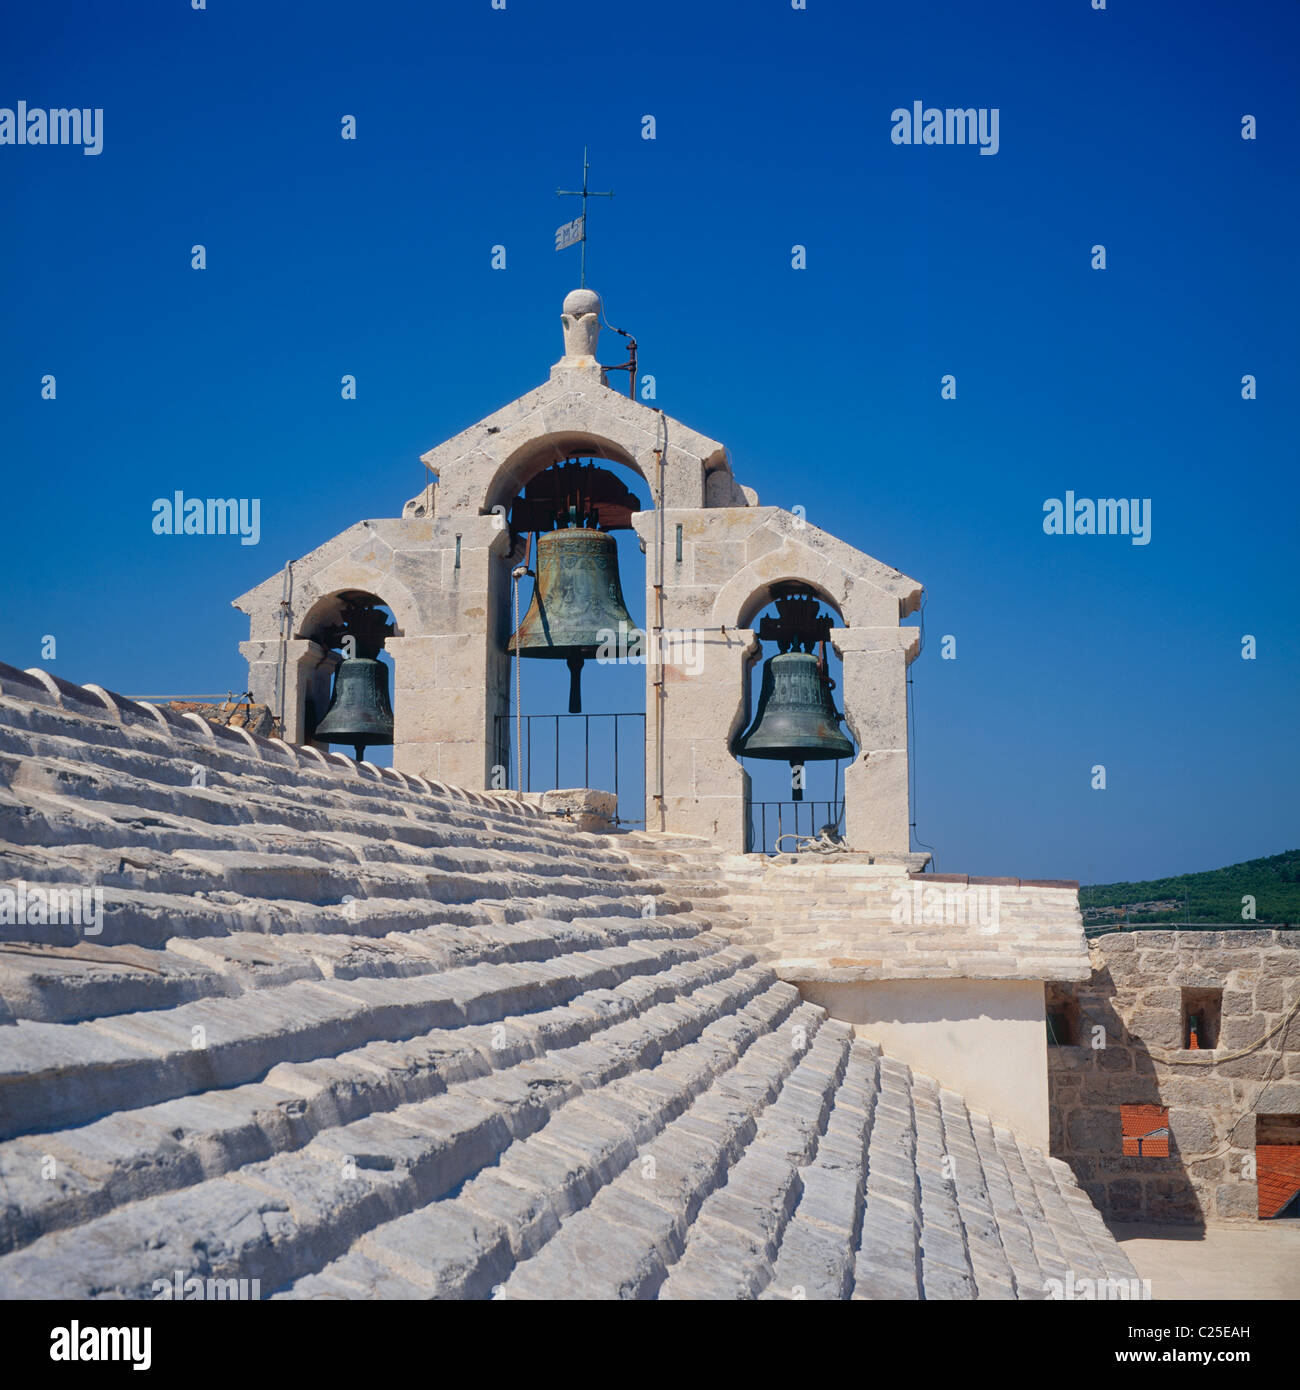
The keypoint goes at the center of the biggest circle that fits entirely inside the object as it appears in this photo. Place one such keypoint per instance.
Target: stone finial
(581, 319)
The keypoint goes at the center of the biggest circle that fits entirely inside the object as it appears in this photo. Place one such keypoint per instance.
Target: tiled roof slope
(357, 1035)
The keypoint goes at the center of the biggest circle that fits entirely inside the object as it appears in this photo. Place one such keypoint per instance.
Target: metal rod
(526, 746)
(282, 659)
(223, 696)
(655, 672)
(584, 193)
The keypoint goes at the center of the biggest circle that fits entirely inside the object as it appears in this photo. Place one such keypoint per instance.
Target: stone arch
(520, 467)
(328, 608)
(766, 592)
(862, 592)
(317, 599)
(747, 610)
(318, 663)
(568, 415)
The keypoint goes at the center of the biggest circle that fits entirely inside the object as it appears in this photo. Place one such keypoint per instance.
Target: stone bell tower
(715, 559)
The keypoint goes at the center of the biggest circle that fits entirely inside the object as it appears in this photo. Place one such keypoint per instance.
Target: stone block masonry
(714, 560)
(1134, 1004)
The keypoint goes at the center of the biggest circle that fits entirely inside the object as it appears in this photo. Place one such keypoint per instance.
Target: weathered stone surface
(1212, 1095)
(1192, 1130)
(1162, 1027)
(353, 1035)
(583, 807)
(1236, 1200)
(1092, 1129)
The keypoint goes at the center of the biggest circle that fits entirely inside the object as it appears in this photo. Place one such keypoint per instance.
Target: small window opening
(1145, 1130)
(1202, 1013)
(1062, 1017)
(1277, 1165)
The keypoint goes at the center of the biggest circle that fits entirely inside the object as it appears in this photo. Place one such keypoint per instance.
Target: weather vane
(577, 229)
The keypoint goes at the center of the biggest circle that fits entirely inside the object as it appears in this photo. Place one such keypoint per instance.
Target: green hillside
(1213, 896)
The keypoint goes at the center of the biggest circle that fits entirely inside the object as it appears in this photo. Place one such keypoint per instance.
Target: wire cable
(911, 740)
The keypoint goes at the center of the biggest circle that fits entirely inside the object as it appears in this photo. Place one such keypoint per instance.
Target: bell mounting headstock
(799, 625)
(574, 493)
(362, 621)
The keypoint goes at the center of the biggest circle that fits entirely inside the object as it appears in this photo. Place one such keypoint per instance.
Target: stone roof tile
(244, 1074)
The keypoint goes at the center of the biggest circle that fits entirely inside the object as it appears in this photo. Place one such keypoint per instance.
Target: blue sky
(1120, 127)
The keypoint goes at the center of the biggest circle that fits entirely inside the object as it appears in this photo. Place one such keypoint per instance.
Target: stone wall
(1135, 998)
(984, 1037)
(722, 566)
(942, 970)
(848, 918)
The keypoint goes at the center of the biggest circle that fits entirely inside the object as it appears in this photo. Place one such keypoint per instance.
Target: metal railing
(1109, 928)
(245, 697)
(626, 745)
(767, 821)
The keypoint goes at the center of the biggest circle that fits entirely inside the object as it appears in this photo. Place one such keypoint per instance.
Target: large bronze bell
(360, 713)
(577, 602)
(796, 721)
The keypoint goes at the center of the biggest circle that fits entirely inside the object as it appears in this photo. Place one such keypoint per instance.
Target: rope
(819, 844)
(1218, 1057)
(282, 660)
(1264, 1082)
(516, 575)
(911, 745)
(657, 496)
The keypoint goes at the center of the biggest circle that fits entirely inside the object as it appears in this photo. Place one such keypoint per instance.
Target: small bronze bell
(796, 721)
(577, 602)
(360, 713)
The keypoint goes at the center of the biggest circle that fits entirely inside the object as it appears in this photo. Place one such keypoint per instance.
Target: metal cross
(584, 193)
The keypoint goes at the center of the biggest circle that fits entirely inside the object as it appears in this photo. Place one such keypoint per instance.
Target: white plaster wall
(985, 1039)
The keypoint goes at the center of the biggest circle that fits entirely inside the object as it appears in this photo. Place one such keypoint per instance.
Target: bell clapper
(575, 684)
